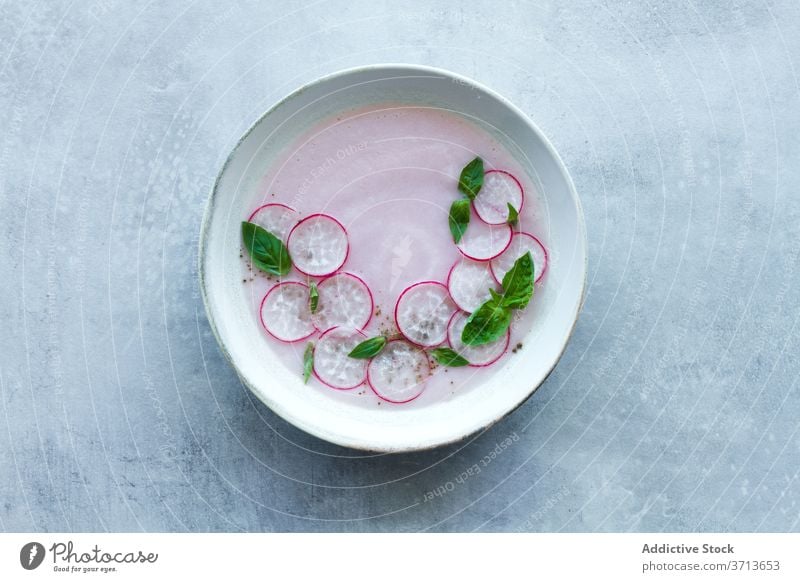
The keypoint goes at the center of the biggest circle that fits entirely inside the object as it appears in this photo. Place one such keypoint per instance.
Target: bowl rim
(398, 68)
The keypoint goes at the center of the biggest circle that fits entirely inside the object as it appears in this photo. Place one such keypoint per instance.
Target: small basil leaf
(487, 323)
(308, 361)
(448, 357)
(471, 178)
(459, 219)
(368, 348)
(513, 215)
(266, 250)
(313, 297)
(518, 283)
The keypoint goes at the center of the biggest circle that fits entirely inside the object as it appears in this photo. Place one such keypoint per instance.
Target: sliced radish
(285, 313)
(423, 311)
(318, 245)
(275, 218)
(483, 242)
(521, 244)
(498, 191)
(332, 365)
(469, 283)
(398, 373)
(477, 356)
(344, 301)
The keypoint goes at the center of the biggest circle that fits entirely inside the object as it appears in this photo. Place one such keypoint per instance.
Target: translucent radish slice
(477, 356)
(332, 365)
(275, 218)
(285, 313)
(422, 313)
(398, 373)
(344, 301)
(521, 244)
(469, 283)
(483, 242)
(498, 191)
(318, 245)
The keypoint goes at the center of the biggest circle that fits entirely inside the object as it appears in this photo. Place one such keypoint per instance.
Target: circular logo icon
(31, 555)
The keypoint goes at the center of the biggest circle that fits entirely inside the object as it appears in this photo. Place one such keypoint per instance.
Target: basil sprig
(490, 321)
(313, 297)
(449, 357)
(471, 179)
(459, 218)
(513, 214)
(518, 283)
(368, 348)
(487, 323)
(469, 184)
(308, 361)
(267, 252)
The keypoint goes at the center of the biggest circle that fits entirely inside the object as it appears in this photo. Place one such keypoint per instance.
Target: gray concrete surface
(675, 406)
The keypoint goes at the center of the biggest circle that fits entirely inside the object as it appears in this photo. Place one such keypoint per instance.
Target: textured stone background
(675, 406)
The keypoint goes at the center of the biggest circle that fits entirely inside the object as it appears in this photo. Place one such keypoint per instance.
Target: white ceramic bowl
(407, 428)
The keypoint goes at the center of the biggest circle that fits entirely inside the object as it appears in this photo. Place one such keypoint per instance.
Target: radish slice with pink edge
(398, 373)
(469, 283)
(332, 365)
(521, 244)
(275, 218)
(499, 189)
(344, 301)
(483, 242)
(422, 312)
(477, 356)
(318, 245)
(285, 313)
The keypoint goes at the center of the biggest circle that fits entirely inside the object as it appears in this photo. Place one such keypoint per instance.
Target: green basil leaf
(518, 283)
(459, 219)
(308, 361)
(471, 178)
(448, 357)
(368, 348)
(313, 297)
(266, 250)
(513, 215)
(487, 323)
